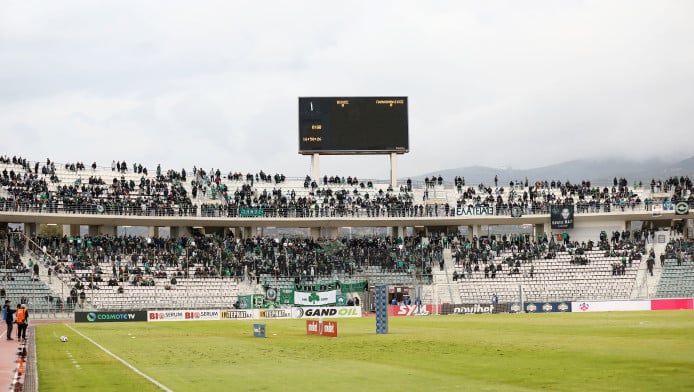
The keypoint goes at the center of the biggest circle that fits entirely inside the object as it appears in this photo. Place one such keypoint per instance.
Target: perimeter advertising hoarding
(672, 304)
(542, 307)
(327, 311)
(274, 313)
(237, 314)
(110, 317)
(412, 310)
(608, 306)
(473, 308)
(183, 315)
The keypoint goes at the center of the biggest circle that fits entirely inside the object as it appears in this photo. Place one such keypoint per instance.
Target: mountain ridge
(597, 171)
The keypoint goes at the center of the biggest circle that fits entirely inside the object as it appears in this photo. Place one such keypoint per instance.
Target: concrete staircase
(442, 289)
(646, 286)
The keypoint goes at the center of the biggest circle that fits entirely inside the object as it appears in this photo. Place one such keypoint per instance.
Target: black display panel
(353, 125)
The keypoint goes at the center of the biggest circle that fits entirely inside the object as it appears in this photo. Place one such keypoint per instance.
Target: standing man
(22, 321)
(8, 315)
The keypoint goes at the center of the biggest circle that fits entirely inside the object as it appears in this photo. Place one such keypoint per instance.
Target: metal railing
(233, 211)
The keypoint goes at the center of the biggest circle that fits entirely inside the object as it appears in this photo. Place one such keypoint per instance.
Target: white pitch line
(121, 360)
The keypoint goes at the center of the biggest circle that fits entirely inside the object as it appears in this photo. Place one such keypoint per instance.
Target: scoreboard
(353, 125)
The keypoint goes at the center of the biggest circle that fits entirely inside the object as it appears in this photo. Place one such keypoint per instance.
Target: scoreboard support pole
(393, 170)
(315, 167)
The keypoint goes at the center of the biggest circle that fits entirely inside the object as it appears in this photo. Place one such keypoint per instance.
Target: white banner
(239, 314)
(328, 311)
(183, 315)
(282, 313)
(312, 298)
(609, 306)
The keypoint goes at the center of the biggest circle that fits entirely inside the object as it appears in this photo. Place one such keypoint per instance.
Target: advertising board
(328, 311)
(609, 306)
(110, 317)
(412, 310)
(183, 315)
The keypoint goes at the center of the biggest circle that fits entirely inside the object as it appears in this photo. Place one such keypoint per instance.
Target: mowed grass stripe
(569, 352)
(79, 365)
(121, 360)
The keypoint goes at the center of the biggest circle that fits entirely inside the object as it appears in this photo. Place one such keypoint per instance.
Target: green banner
(353, 287)
(249, 212)
(245, 301)
(286, 296)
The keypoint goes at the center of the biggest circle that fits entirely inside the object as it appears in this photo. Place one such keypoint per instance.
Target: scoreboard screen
(353, 125)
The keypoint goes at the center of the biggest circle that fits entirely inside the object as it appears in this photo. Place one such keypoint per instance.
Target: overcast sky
(515, 84)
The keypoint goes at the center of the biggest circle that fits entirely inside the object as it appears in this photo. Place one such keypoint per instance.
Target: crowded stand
(551, 270)
(103, 271)
(677, 263)
(47, 187)
(19, 279)
(91, 267)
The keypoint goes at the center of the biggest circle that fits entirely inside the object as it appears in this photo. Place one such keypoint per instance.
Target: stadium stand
(677, 278)
(75, 188)
(211, 271)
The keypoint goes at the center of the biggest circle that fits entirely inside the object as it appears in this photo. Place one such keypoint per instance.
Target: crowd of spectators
(515, 253)
(681, 250)
(89, 261)
(211, 194)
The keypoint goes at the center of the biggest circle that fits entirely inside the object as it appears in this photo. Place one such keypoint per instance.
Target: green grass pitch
(611, 351)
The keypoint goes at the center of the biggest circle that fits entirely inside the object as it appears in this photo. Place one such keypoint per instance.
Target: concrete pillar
(314, 233)
(539, 229)
(108, 230)
(31, 229)
(180, 231)
(398, 231)
(315, 167)
(393, 170)
(153, 231)
(247, 232)
(73, 230)
(332, 232)
(470, 232)
(627, 226)
(477, 230)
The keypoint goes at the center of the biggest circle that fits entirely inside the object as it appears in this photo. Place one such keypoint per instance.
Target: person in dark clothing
(8, 315)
